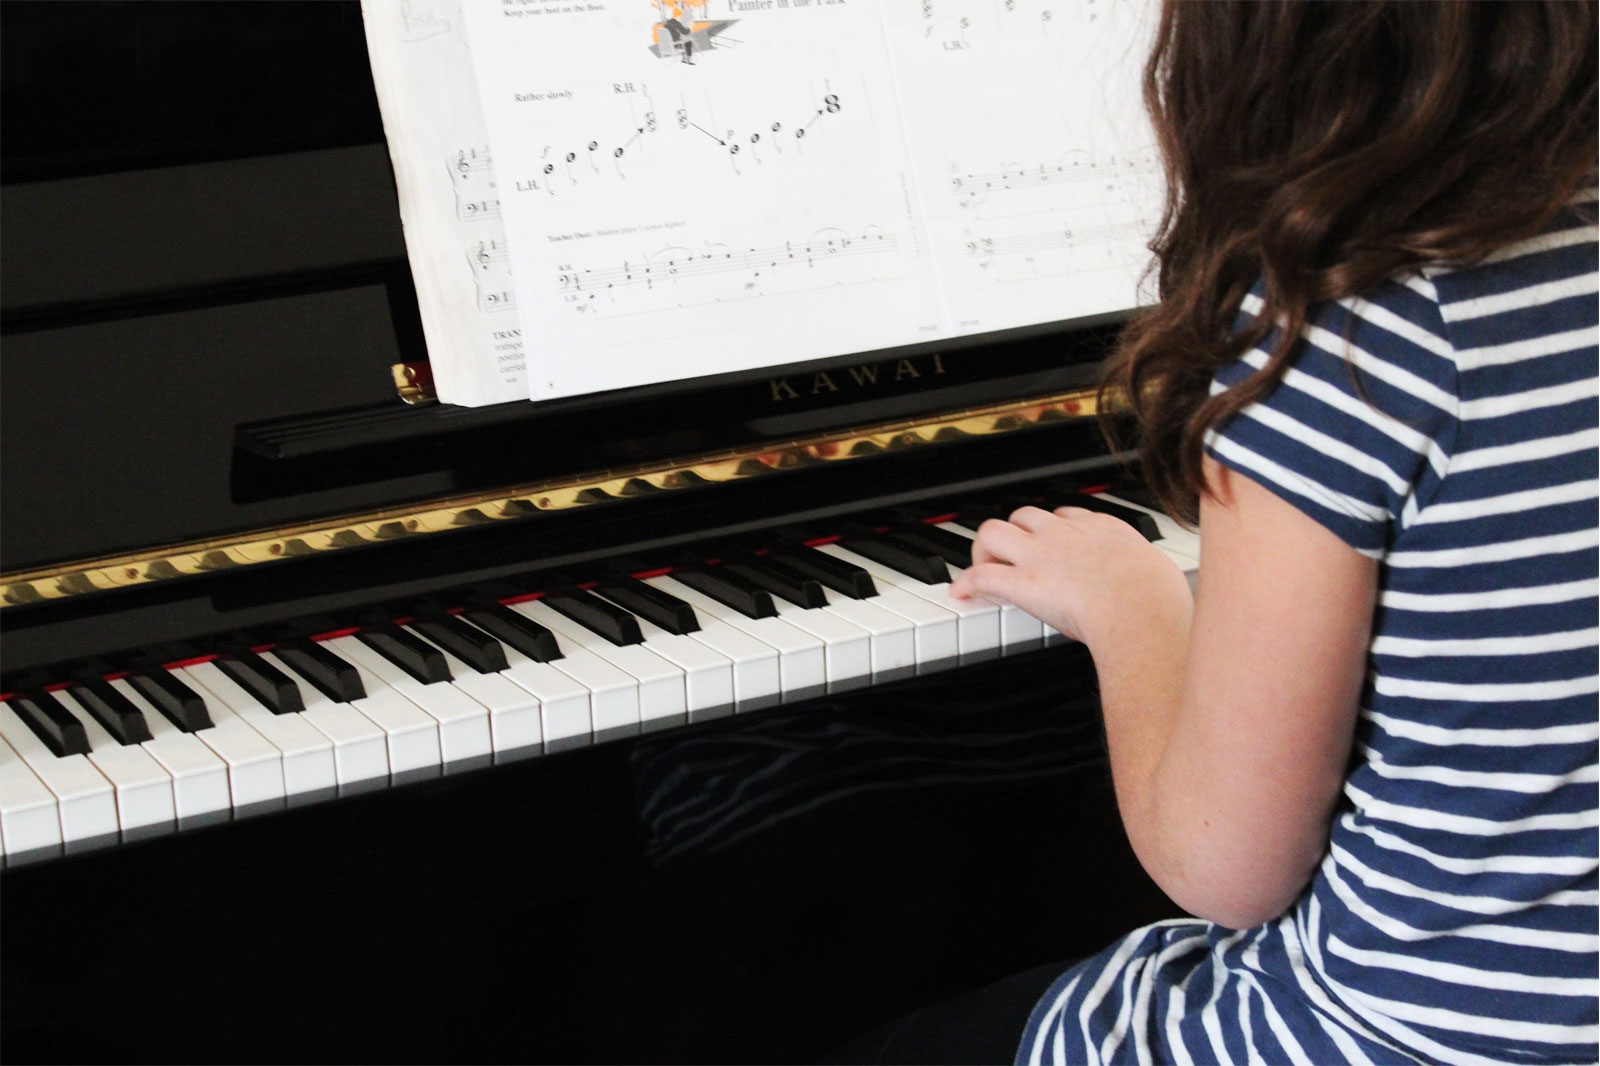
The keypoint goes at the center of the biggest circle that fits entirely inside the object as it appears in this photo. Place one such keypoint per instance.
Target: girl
(1364, 754)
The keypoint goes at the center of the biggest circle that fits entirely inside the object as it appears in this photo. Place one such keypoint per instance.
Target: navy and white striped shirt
(1446, 426)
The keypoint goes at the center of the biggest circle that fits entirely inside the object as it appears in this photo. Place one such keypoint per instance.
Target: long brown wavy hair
(1322, 147)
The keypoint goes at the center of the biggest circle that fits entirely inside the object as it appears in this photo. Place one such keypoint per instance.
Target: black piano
(324, 731)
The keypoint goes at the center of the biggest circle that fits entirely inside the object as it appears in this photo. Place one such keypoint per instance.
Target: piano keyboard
(502, 674)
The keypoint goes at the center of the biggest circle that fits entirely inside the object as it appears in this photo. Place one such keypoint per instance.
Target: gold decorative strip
(267, 545)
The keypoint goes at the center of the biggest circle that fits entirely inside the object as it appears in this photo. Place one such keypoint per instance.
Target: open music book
(606, 193)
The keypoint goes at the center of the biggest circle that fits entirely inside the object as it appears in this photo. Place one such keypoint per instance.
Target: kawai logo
(867, 376)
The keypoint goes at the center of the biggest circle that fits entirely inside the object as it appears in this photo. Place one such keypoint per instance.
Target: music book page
(449, 203)
(691, 188)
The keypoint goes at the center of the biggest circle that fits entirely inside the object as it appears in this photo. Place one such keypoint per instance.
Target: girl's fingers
(1031, 518)
(993, 580)
(998, 542)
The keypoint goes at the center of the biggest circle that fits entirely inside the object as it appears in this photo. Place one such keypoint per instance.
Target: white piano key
(707, 674)
(199, 775)
(802, 664)
(847, 648)
(565, 712)
(412, 733)
(513, 711)
(662, 690)
(143, 787)
(360, 747)
(307, 754)
(756, 679)
(463, 721)
(255, 767)
(85, 800)
(978, 625)
(894, 643)
(936, 639)
(613, 692)
(464, 729)
(29, 819)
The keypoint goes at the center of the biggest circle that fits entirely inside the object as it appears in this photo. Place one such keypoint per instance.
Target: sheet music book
(606, 193)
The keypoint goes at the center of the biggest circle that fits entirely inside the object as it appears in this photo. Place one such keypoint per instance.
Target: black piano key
(514, 630)
(740, 593)
(778, 578)
(921, 566)
(833, 572)
(1136, 492)
(1144, 523)
(331, 675)
(652, 604)
(976, 512)
(119, 715)
(182, 705)
(472, 646)
(591, 612)
(407, 651)
(52, 723)
(271, 687)
(953, 548)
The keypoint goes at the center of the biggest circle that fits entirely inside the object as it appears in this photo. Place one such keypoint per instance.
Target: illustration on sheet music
(681, 29)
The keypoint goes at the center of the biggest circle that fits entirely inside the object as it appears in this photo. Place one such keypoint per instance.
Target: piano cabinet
(209, 478)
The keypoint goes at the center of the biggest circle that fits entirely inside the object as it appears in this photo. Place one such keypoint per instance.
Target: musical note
(566, 166)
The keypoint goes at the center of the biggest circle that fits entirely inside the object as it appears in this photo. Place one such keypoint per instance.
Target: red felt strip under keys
(196, 661)
(335, 634)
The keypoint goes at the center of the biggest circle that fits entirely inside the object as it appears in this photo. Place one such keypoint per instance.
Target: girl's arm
(1229, 717)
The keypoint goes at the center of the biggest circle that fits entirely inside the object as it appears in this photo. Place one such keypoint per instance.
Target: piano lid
(206, 291)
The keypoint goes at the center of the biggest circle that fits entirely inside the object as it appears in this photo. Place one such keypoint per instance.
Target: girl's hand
(1087, 574)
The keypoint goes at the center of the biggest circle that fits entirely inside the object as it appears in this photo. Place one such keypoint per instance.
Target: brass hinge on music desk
(414, 382)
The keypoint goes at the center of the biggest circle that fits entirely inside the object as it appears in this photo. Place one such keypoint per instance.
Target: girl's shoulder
(1542, 284)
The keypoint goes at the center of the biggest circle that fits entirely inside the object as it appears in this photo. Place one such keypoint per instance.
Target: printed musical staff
(690, 129)
(1111, 173)
(1033, 243)
(472, 180)
(491, 273)
(747, 268)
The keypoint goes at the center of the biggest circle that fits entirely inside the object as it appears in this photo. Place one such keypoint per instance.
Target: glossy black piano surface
(204, 290)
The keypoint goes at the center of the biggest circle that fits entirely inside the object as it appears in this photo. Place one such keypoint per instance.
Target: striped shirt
(1446, 426)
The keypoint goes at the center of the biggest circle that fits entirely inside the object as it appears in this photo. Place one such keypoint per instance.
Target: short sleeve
(1362, 419)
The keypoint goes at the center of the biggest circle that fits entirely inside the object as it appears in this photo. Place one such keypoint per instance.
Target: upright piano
(340, 725)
